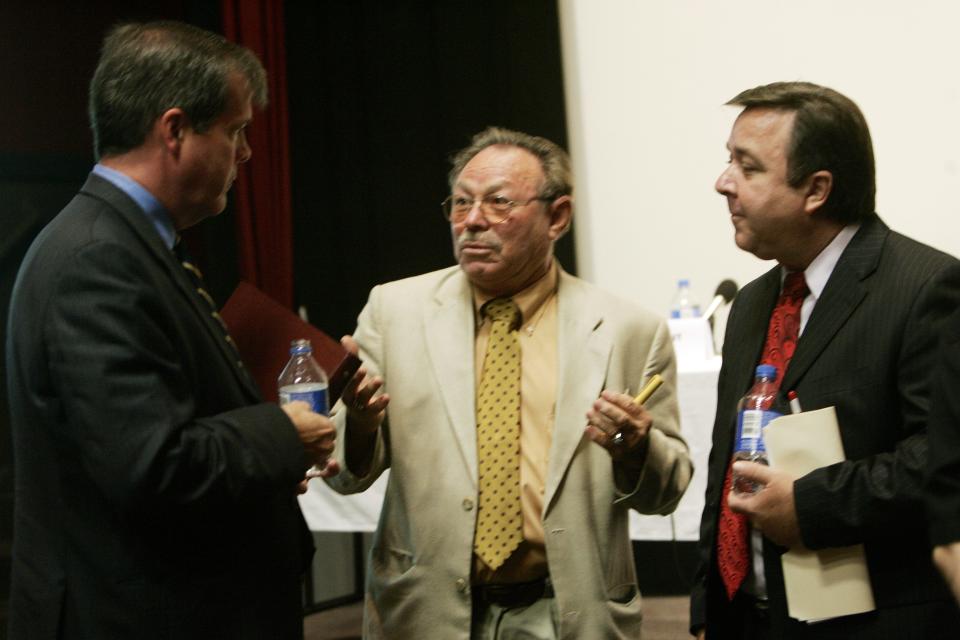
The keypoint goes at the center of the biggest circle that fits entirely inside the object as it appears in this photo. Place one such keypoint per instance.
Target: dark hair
(558, 177)
(148, 68)
(830, 134)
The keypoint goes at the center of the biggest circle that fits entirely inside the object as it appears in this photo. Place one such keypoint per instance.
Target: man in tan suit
(532, 537)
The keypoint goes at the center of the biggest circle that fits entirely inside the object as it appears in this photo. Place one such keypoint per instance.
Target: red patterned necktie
(733, 545)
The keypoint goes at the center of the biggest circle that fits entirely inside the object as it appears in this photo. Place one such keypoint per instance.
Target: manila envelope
(828, 583)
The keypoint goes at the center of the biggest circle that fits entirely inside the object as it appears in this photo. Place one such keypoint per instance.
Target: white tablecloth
(326, 510)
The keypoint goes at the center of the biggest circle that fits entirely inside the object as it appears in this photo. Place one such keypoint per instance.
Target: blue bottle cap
(300, 347)
(766, 371)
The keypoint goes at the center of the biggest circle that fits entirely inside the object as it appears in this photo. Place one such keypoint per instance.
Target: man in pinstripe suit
(800, 190)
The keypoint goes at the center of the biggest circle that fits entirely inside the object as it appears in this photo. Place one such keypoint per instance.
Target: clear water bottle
(683, 305)
(303, 379)
(753, 414)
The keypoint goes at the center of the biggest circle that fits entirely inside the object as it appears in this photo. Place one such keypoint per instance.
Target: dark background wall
(381, 93)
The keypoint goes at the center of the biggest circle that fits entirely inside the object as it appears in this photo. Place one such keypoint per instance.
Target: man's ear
(171, 127)
(818, 186)
(561, 213)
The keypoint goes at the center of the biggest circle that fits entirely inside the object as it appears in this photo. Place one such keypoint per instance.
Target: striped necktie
(196, 279)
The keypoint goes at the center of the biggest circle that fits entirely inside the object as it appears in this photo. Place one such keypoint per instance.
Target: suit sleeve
(876, 495)
(667, 468)
(127, 388)
(370, 339)
(943, 482)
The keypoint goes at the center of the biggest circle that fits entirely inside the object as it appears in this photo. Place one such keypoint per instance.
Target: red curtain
(263, 211)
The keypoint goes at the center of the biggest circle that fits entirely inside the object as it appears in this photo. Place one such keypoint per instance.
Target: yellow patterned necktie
(499, 517)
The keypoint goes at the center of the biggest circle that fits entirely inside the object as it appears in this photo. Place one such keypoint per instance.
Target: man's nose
(724, 184)
(475, 217)
(243, 149)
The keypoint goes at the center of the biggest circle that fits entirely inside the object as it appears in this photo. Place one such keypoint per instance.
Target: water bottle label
(313, 394)
(750, 424)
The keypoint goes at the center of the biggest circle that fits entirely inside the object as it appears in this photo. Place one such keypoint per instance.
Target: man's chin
(743, 242)
(478, 271)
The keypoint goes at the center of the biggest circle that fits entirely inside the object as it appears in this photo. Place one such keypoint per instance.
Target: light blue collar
(148, 203)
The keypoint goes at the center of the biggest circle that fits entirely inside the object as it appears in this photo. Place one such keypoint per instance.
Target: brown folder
(263, 329)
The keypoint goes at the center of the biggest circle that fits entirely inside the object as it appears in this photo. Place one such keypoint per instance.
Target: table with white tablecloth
(325, 510)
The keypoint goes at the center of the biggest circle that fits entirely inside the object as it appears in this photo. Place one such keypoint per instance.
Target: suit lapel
(134, 217)
(842, 295)
(449, 326)
(583, 354)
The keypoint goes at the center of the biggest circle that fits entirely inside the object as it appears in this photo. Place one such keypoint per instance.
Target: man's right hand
(317, 432)
(365, 413)
(365, 409)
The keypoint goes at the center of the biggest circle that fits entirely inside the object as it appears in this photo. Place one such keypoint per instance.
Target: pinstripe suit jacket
(867, 349)
(155, 493)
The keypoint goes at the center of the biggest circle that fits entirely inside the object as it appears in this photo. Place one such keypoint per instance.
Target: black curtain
(381, 94)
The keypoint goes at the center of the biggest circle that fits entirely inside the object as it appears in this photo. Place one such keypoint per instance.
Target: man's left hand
(330, 469)
(614, 413)
(771, 509)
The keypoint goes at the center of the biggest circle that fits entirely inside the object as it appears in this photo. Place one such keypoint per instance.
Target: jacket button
(462, 585)
(467, 504)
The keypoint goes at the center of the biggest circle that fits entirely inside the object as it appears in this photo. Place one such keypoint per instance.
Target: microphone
(725, 292)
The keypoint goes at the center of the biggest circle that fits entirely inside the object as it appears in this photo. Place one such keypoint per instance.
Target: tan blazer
(418, 334)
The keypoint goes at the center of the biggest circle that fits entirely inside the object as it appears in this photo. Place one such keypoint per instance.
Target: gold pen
(652, 385)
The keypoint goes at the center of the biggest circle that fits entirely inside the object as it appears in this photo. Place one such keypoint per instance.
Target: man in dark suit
(155, 491)
(943, 478)
(800, 190)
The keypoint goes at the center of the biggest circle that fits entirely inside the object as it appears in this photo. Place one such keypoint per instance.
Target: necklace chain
(533, 324)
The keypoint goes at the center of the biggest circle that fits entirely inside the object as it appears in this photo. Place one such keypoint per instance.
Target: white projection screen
(646, 81)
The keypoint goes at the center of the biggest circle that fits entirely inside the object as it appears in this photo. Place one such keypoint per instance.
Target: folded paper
(827, 583)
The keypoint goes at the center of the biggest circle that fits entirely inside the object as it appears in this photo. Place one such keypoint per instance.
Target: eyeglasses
(495, 208)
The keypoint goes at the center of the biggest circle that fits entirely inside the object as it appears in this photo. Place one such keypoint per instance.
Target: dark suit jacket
(868, 349)
(943, 488)
(155, 494)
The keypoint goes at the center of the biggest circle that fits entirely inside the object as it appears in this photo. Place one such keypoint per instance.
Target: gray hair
(555, 162)
(148, 68)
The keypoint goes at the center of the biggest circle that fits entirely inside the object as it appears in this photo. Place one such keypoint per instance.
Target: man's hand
(328, 470)
(317, 433)
(616, 412)
(771, 509)
(365, 409)
(365, 413)
(947, 559)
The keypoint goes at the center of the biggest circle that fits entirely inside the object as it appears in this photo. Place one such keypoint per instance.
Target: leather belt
(515, 595)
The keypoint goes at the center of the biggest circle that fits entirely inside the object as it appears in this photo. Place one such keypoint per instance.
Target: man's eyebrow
(740, 153)
(497, 186)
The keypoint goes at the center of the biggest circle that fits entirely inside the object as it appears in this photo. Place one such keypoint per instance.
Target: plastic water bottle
(303, 379)
(753, 414)
(683, 305)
